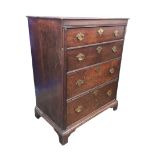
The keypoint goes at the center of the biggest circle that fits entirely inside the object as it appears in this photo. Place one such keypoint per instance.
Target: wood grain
(91, 76)
(92, 36)
(48, 67)
(78, 22)
(92, 56)
(70, 92)
(90, 102)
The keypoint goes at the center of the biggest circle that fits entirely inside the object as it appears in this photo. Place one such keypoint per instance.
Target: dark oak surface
(88, 103)
(92, 56)
(92, 36)
(94, 22)
(91, 77)
(47, 66)
(85, 21)
(69, 91)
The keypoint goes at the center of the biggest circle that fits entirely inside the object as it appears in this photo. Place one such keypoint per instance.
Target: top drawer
(84, 36)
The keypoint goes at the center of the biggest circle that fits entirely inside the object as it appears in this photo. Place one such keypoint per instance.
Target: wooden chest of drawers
(76, 64)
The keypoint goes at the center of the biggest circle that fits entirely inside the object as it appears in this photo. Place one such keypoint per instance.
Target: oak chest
(76, 64)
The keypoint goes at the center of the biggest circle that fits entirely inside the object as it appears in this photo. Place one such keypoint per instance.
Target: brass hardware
(79, 82)
(97, 68)
(114, 49)
(80, 36)
(112, 70)
(99, 49)
(78, 109)
(80, 56)
(95, 92)
(109, 93)
(116, 33)
(100, 31)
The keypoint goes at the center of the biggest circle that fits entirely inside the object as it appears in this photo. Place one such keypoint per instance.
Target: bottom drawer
(84, 105)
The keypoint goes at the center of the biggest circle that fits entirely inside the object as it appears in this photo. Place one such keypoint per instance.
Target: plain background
(129, 130)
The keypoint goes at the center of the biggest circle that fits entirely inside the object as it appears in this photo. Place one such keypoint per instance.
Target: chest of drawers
(76, 64)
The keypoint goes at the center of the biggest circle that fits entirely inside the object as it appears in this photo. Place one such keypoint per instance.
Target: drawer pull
(109, 93)
(100, 31)
(95, 92)
(79, 82)
(79, 109)
(116, 33)
(99, 49)
(114, 49)
(80, 36)
(80, 57)
(112, 70)
(97, 69)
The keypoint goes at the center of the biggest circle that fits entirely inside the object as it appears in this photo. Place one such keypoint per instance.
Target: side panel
(48, 63)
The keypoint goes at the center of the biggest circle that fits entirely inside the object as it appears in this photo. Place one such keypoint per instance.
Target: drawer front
(86, 104)
(86, 56)
(84, 36)
(82, 80)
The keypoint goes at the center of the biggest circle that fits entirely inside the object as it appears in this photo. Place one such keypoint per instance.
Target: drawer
(82, 106)
(83, 36)
(84, 79)
(78, 58)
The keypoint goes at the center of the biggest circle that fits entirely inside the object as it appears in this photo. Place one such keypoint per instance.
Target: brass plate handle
(109, 93)
(79, 82)
(95, 92)
(116, 33)
(97, 69)
(80, 57)
(79, 109)
(112, 70)
(114, 49)
(100, 31)
(80, 36)
(99, 49)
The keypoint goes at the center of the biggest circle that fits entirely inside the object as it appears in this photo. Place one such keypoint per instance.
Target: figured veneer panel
(84, 105)
(92, 36)
(92, 76)
(93, 54)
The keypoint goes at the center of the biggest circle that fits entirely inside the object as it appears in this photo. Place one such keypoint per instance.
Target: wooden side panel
(48, 63)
